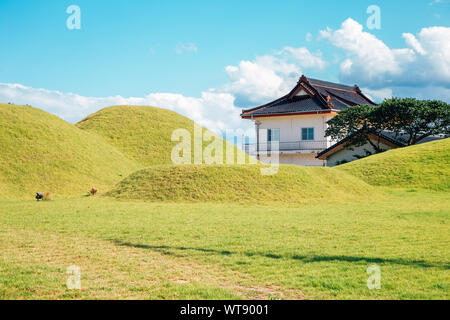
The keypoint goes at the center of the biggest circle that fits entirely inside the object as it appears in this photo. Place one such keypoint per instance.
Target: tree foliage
(418, 118)
(413, 119)
(356, 122)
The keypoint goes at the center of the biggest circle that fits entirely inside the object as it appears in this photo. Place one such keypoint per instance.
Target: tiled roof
(401, 140)
(348, 140)
(294, 105)
(321, 96)
(330, 84)
(347, 97)
(404, 137)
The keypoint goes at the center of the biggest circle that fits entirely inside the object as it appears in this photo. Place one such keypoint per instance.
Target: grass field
(421, 166)
(143, 133)
(158, 231)
(241, 183)
(40, 152)
(227, 251)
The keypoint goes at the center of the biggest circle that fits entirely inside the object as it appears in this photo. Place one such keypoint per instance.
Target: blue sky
(137, 48)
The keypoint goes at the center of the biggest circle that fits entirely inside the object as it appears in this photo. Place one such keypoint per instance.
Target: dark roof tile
(294, 105)
(341, 97)
(330, 84)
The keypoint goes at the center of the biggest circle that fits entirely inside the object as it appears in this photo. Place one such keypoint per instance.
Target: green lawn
(211, 231)
(144, 133)
(226, 251)
(39, 152)
(424, 166)
(242, 184)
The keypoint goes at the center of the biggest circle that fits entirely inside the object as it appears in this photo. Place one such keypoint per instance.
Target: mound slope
(41, 152)
(140, 132)
(423, 166)
(244, 183)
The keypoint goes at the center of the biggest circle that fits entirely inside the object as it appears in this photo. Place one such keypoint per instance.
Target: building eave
(249, 111)
(348, 140)
(252, 116)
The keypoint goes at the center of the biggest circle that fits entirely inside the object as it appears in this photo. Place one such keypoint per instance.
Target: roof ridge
(304, 79)
(320, 90)
(323, 83)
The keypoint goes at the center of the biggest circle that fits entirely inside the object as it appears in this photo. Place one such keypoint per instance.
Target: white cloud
(367, 54)
(184, 48)
(378, 95)
(263, 79)
(303, 57)
(216, 111)
(413, 43)
(370, 62)
(270, 76)
(309, 37)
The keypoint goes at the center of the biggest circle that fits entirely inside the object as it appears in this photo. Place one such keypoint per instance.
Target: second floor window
(307, 133)
(273, 135)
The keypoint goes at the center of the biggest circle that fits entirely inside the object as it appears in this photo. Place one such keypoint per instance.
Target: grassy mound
(244, 183)
(142, 133)
(421, 166)
(41, 152)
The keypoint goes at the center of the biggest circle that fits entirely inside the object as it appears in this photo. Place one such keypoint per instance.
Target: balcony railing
(312, 146)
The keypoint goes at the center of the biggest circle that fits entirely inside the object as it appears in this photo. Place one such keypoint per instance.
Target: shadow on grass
(304, 258)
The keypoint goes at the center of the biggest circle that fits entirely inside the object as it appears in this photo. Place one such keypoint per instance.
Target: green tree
(416, 118)
(356, 122)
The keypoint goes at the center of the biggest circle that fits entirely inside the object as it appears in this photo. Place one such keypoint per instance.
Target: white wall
(290, 126)
(349, 155)
(290, 131)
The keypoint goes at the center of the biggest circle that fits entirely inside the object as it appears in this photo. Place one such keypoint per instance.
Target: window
(273, 135)
(307, 133)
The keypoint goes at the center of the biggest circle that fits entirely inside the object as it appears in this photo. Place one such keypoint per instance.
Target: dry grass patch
(111, 271)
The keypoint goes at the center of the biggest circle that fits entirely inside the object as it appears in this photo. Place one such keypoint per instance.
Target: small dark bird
(39, 196)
